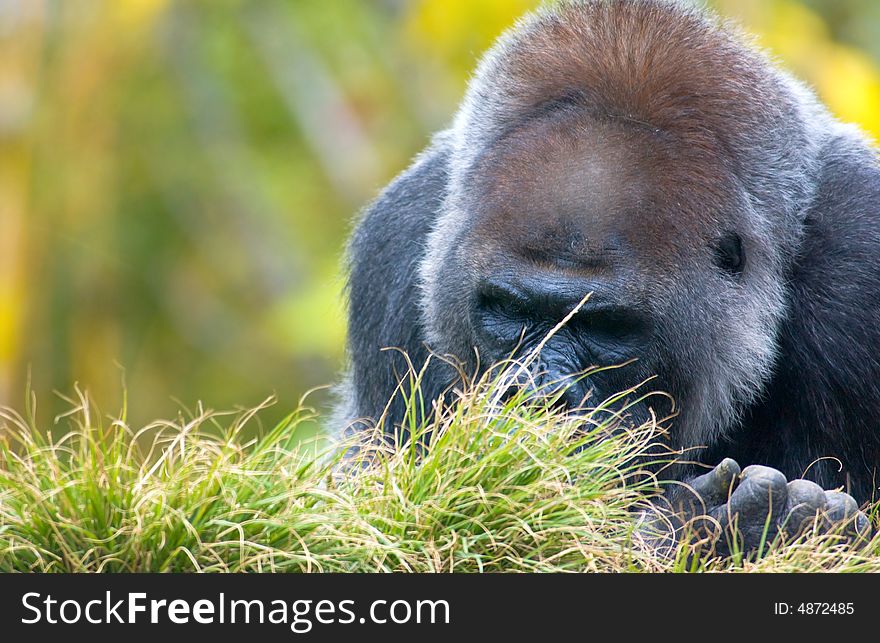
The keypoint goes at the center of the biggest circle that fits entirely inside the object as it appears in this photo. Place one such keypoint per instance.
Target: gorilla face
(683, 286)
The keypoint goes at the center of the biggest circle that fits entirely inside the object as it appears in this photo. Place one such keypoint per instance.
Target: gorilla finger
(714, 488)
(762, 494)
(862, 526)
(841, 506)
(806, 501)
(844, 511)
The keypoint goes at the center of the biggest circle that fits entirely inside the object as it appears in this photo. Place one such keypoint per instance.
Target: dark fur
(614, 147)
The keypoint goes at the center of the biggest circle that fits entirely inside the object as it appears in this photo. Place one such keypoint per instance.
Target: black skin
(791, 416)
(727, 227)
(385, 299)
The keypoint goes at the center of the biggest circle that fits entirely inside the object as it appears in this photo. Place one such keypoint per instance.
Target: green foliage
(507, 485)
(496, 493)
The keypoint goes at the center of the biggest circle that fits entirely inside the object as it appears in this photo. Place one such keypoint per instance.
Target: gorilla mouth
(565, 392)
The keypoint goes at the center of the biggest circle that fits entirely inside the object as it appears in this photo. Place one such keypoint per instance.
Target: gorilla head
(724, 223)
(631, 177)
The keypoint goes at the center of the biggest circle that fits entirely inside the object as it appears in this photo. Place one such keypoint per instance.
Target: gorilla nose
(508, 307)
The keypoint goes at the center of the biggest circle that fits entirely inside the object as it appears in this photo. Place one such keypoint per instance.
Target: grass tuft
(509, 484)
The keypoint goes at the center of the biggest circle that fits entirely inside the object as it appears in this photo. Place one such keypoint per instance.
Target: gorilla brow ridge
(577, 102)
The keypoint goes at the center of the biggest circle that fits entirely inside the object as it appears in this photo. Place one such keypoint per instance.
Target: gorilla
(725, 226)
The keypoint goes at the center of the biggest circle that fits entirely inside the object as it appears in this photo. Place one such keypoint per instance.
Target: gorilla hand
(739, 510)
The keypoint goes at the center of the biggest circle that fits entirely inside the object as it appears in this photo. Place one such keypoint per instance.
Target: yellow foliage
(460, 30)
(847, 80)
(850, 84)
(135, 14)
(122, 143)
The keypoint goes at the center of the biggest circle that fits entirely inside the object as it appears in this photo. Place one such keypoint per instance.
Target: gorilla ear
(729, 254)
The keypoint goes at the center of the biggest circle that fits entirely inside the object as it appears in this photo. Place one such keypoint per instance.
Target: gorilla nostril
(548, 297)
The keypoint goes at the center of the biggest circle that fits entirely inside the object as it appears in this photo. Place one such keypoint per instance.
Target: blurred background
(177, 178)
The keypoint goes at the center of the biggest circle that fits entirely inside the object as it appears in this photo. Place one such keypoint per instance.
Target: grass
(509, 484)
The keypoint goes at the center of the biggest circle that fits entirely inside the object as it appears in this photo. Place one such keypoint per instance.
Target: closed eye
(502, 301)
